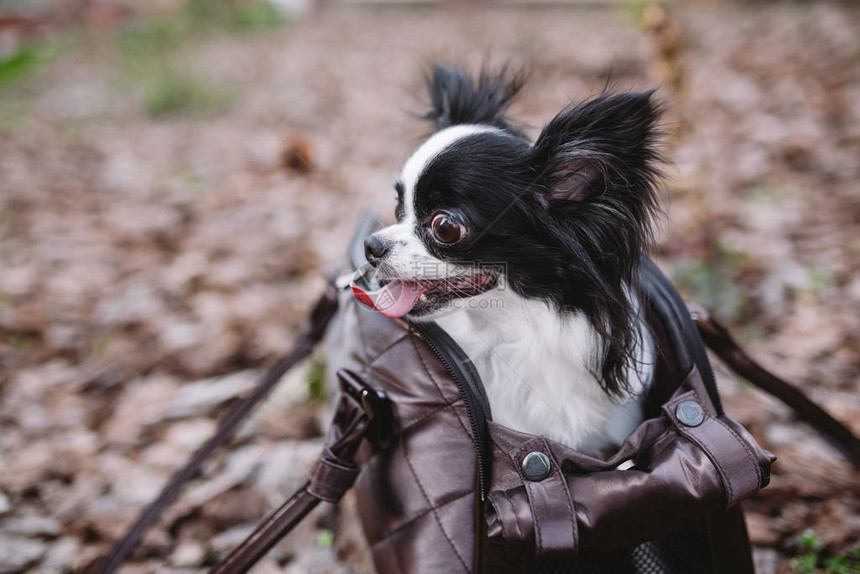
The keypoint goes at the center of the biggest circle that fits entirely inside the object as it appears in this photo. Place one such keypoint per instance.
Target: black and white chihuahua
(524, 253)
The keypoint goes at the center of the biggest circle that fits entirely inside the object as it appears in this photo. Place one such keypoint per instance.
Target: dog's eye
(447, 228)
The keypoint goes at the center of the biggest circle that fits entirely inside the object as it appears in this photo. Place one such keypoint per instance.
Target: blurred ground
(175, 179)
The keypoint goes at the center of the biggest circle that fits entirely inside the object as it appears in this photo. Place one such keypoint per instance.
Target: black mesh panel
(684, 552)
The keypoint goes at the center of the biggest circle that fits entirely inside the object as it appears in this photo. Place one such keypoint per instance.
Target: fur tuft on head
(456, 98)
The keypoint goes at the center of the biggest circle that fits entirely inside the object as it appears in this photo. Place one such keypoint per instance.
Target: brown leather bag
(457, 492)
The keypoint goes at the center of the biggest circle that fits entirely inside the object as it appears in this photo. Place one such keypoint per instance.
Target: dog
(525, 252)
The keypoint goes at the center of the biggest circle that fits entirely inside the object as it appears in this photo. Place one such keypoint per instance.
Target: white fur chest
(537, 369)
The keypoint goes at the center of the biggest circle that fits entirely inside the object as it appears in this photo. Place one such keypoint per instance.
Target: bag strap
(720, 341)
(311, 334)
(686, 344)
(361, 413)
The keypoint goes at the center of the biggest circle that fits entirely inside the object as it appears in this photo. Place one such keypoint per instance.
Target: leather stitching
(403, 442)
(377, 545)
(438, 388)
(412, 468)
(502, 449)
(446, 500)
(746, 449)
(388, 348)
(745, 446)
(432, 508)
(721, 475)
(538, 529)
(514, 464)
(366, 361)
(456, 496)
(568, 499)
(363, 336)
(691, 436)
(426, 416)
(516, 517)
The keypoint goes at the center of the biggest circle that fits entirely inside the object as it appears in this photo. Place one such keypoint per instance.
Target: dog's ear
(603, 150)
(457, 98)
(597, 167)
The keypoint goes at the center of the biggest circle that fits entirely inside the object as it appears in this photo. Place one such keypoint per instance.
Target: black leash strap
(311, 334)
(361, 413)
(720, 341)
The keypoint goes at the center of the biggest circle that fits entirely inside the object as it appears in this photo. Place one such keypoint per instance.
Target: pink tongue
(394, 300)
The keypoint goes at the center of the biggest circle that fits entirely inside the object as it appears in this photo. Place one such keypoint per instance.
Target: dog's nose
(375, 249)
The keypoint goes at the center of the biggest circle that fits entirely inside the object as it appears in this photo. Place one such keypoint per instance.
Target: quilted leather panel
(417, 502)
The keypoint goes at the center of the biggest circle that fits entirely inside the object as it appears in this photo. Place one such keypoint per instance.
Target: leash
(719, 340)
(310, 334)
(361, 413)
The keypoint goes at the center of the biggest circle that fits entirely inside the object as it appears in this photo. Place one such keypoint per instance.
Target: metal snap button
(690, 413)
(536, 466)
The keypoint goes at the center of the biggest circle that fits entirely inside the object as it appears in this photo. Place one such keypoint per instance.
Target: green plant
(143, 39)
(819, 277)
(236, 14)
(152, 52)
(257, 16)
(813, 559)
(710, 283)
(316, 380)
(149, 52)
(169, 92)
(325, 538)
(23, 61)
(635, 11)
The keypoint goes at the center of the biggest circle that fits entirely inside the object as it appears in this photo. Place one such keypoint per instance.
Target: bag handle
(720, 341)
(311, 334)
(361, 412)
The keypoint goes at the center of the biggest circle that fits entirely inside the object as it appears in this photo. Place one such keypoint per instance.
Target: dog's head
(563, 219)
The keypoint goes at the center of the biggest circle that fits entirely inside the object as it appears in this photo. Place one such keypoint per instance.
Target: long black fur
(568, 217)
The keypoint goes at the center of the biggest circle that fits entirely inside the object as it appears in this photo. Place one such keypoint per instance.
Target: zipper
(463, 371)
